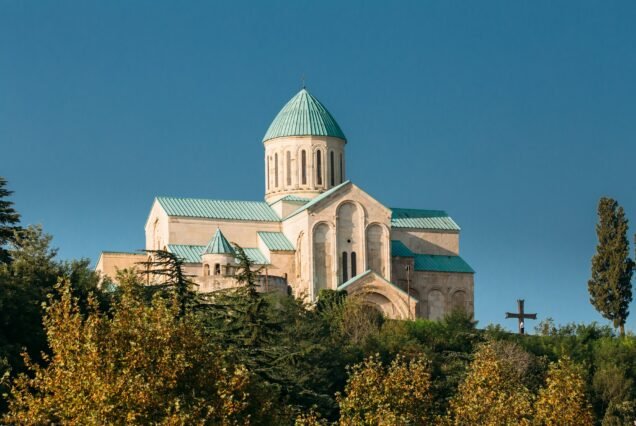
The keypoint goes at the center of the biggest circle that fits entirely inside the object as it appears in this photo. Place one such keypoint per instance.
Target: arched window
(341, 170)
(318, 167)
(345, 267)
(353, 264)
(303, 166)
(288, 169)
(276, 170)
(267, 171)
(206, 269)
(217, 269)
(332, 169)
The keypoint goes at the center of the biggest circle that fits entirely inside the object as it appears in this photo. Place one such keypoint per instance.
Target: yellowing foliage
(376, 395)
(562, 402)
(139, 364)
(490, 394)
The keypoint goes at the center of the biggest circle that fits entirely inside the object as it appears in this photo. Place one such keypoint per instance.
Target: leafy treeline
(154, 351)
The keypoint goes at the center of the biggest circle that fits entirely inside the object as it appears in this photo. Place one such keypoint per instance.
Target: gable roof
(258, 211)
(358, 277)
(219, 244)
(422, 219)
(192, 253)
(319, 198)
(304, 115)
(276, 241)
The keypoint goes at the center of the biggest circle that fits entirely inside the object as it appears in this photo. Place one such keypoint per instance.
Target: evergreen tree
(610, 286)
(164, 273)
(9, 219)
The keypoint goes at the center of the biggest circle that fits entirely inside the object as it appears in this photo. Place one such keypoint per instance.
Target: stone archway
(376, 291)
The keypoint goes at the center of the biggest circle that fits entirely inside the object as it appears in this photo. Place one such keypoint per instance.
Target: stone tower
(304, 150)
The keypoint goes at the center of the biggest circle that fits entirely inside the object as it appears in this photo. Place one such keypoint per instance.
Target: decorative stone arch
(378, 292)
(319, 160)
(302, 169)
(436, 303)
(459, 300)
(288, 168)
(322, 242)
(299, 255)
(378, 250)
(332, 168)
(350, 239)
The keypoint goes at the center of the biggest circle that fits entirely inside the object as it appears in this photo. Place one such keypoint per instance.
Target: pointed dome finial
(219, 244)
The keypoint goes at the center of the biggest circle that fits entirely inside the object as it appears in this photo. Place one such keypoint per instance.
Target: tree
(9, 219)
(491, 393)
(138, 364)
(610, 286)
(395, 395)
(562, 402)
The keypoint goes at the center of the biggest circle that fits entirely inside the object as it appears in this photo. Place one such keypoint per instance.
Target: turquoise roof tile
(292, 199)
(256, 256)
(219, 244)
(189, 253)
(192, 253)
(319, 198)
(276, 241)
(423, 219)
(398, 249)
(304, 115)
(437, 263)
(218, 209)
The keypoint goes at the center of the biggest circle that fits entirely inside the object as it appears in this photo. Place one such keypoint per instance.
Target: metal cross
(521, 315)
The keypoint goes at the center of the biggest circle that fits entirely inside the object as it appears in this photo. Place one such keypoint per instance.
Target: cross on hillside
(521, 315)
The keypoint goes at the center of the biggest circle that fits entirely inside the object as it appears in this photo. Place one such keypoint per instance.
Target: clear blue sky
(515, 117)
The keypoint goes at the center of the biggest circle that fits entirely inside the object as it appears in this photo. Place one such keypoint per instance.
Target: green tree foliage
(164, 275)
(9, 220)
(138, 364)
(399, 394)
(563, 402)
(24, 286)
(610, 286)
(280, 339)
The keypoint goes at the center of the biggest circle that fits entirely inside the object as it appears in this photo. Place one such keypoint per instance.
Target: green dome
(304, 115)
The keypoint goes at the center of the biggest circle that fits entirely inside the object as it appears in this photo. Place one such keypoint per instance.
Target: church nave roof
(258, 211)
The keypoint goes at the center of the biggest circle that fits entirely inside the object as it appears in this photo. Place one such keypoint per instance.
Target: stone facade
(315, 230)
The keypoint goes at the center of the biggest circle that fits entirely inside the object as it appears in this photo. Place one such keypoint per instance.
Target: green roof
(304, 115)
(276, 241)
(219, 244)
(192, 253)
(398, 249)
(218, 209)
(423, 219)
(437, 263)
(292, 199)
(431, 262)
(319, 198)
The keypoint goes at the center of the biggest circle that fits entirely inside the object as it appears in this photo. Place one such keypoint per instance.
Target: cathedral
(314, 230)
